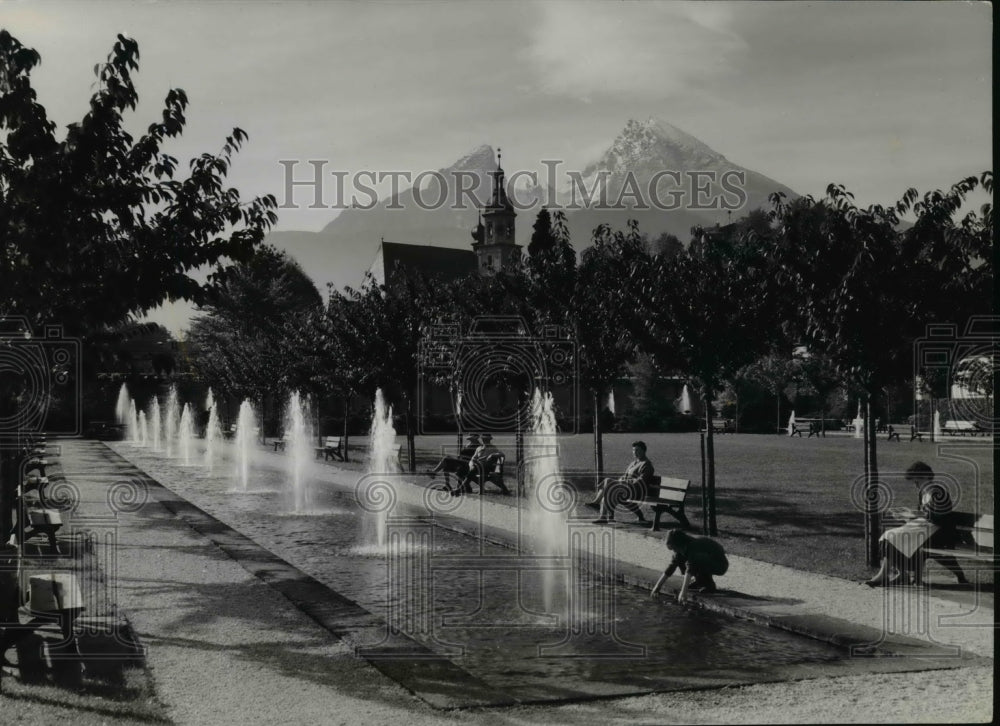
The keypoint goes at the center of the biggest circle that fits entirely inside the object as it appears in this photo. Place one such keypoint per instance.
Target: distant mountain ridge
(342, 252)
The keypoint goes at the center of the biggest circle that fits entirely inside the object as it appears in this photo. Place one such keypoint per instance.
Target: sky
(878, 96)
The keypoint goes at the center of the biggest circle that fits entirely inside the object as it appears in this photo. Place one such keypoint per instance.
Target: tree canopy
(98, 226)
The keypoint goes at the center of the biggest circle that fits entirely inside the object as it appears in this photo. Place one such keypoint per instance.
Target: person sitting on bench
(698, 558)
(477, 463)
(635, 483)
(933, 525)
(458, 465)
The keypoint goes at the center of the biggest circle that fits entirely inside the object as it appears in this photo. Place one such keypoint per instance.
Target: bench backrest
(960, 425)
(494, 464)
(975, 529)
(672, 490)
(331, 442)
(396, 448)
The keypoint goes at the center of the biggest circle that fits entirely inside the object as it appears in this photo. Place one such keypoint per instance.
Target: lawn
(790, 501)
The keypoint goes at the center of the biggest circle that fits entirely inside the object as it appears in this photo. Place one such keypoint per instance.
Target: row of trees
(852, 288)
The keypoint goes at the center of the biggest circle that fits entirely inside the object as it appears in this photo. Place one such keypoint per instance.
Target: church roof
(447, 263)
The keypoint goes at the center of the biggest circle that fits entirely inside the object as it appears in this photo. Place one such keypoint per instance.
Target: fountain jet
(547, 513)
(213, 434)
(381, 460)
(172, 415)
(246, 431)
(121, 406)
(185, 435)
(297, 446)
(155, 423)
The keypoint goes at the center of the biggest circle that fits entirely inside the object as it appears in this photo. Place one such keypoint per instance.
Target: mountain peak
(656, 142)
(481, 158)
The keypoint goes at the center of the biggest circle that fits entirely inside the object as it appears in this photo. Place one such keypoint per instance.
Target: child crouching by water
(698, 558)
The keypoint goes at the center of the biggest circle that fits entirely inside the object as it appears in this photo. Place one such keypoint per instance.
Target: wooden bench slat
(670, 495)
(669, 498)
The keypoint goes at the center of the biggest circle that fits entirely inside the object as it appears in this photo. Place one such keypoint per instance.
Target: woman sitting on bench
(931, 526)
(636, 483)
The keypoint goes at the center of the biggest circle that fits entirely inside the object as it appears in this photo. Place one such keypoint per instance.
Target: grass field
(790, 501)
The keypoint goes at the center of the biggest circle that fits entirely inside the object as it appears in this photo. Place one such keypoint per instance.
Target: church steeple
(494, 235)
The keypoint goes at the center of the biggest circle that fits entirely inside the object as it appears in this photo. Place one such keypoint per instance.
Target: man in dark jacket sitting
(458, 465)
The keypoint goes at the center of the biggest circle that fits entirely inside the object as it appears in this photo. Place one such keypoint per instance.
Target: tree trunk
(872, 523)
(410, 436)
(704, 486)
(8, 488)
(347, 416)
(598, 440)
(778, 427)
(713, 529)
(519, 444)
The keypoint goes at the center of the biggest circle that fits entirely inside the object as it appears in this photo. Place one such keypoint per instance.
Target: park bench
(721, 426)
(43, 522)
(918, 435)
(807, 426)
(492, 471)
(36, 463)
(669, 497)
(961, 428)
(331, 446)
(282, 442)
(893, 434)
(975, 539)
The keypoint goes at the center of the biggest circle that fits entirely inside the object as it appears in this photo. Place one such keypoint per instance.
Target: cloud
(656, 50)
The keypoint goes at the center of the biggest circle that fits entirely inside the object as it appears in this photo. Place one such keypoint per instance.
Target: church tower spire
(494, 235)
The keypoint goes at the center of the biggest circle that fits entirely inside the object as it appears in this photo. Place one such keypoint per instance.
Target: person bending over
(698, 558)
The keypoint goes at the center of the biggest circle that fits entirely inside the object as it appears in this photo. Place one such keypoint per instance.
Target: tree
(96, 227)
(651, 407)
(247, 341)
(667, 245)
(819, 376)
(771, 372)
(705, 313)
(867, 290)
(543, 237)
(599, 308)
(378, 331)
